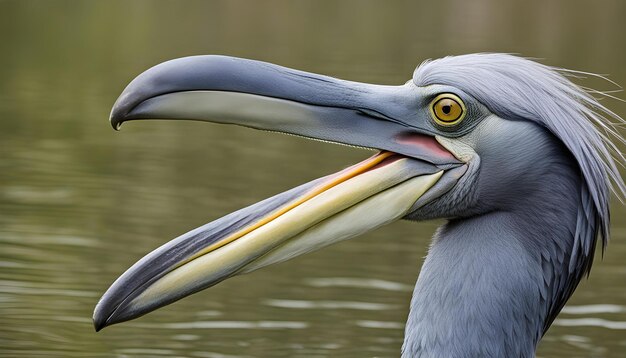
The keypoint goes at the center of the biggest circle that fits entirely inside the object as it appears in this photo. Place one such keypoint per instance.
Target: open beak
(411, 170)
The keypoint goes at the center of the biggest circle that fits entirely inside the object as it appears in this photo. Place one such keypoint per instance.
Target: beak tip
(122, 109)
(101, 317)
(116, 118)
(98, 322)
(116, 126)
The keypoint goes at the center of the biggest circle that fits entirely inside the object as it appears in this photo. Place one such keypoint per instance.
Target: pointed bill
(377, 191)
(411, 170)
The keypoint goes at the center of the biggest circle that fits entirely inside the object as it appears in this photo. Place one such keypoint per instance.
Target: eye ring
(447, 109)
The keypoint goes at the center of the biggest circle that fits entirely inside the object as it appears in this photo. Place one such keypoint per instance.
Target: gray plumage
(519, 89)
(525, 168)
(546, 239)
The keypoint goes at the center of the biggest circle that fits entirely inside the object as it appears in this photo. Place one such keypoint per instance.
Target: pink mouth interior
(427, 142)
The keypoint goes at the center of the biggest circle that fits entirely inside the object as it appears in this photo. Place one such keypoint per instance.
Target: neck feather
(492, 284)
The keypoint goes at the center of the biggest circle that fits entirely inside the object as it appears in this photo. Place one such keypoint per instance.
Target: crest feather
(516, 88)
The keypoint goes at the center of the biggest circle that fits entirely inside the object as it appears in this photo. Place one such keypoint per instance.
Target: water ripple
(49, 240)
(148, 351)
(302, 304)
(29, 288)
(590, 309)
(216, 355)
(228, 325)
(359, 283)
(590, 322)
(379, 324)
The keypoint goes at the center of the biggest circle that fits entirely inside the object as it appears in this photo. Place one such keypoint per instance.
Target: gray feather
(519, 89)
(558, 225)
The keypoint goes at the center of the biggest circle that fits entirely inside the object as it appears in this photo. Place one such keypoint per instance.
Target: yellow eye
(447, 109)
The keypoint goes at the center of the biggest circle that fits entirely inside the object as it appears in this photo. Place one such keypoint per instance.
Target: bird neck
(492, 284)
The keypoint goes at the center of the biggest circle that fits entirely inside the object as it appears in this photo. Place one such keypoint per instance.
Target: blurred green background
(79, 203)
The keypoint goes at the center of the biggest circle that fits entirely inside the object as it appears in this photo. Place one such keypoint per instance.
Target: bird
(519, 160)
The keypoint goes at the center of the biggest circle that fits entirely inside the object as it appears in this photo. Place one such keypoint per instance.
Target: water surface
(79, 203)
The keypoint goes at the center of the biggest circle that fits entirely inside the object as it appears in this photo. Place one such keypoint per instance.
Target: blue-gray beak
(410, 170)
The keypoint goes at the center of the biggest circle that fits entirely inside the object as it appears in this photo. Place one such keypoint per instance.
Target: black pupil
(446, 109)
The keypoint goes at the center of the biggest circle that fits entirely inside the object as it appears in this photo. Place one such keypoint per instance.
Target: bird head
(465, 136)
